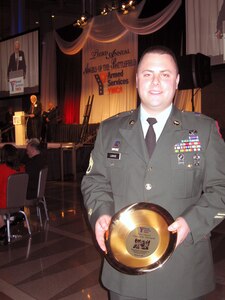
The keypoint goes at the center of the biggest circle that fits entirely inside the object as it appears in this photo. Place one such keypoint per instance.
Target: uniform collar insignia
(176, 122)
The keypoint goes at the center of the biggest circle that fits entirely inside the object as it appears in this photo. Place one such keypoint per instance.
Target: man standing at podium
(34, 120)
(17, 60)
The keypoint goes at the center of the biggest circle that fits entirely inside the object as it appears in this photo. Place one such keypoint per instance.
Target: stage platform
(66, 161)
(63, 133)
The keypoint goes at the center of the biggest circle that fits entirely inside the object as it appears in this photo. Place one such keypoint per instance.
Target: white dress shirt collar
(161, 120)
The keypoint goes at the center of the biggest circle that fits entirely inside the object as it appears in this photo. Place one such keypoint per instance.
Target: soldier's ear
(177, 80)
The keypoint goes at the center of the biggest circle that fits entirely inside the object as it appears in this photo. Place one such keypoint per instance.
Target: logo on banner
(101, 79)
(112, 81)
(16, 85)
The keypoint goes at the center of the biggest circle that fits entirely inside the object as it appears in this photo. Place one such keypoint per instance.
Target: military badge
(191, 144)
(116, 145)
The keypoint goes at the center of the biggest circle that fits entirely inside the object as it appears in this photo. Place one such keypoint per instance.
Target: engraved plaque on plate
(138, 240)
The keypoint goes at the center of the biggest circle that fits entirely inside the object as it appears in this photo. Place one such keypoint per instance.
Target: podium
(16, 82)
(20, 127)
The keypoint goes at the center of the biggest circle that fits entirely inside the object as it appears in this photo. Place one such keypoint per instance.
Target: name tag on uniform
(114, 155)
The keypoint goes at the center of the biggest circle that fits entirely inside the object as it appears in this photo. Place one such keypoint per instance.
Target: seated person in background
(35, 161)
(9, 165)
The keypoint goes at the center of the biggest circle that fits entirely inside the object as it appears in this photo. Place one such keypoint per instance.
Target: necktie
(17, 61)
(150, 138)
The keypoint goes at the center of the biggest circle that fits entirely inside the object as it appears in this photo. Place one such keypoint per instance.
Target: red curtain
(71, 110)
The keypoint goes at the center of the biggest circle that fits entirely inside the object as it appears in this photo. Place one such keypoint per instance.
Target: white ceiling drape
(201, 25)
(112, 27)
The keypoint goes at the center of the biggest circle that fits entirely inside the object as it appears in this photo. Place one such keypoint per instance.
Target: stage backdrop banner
(108, 73)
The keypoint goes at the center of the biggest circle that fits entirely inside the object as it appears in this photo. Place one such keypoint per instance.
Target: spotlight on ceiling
(114, 5)
(82, 21)
(105, 10)
(131, 4)
(108, 9)
(126, 6)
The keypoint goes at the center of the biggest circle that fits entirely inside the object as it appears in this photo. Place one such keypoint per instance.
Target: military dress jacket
(187, 182)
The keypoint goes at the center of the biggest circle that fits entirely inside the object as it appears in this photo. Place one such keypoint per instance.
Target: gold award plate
(138, 240)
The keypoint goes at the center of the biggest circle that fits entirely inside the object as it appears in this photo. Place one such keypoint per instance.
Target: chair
(40, 196)
(15, 199)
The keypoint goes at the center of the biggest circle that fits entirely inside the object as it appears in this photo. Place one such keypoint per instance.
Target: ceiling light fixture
(126, 5)
(114, 5)
(105, 10)
(82, 21)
